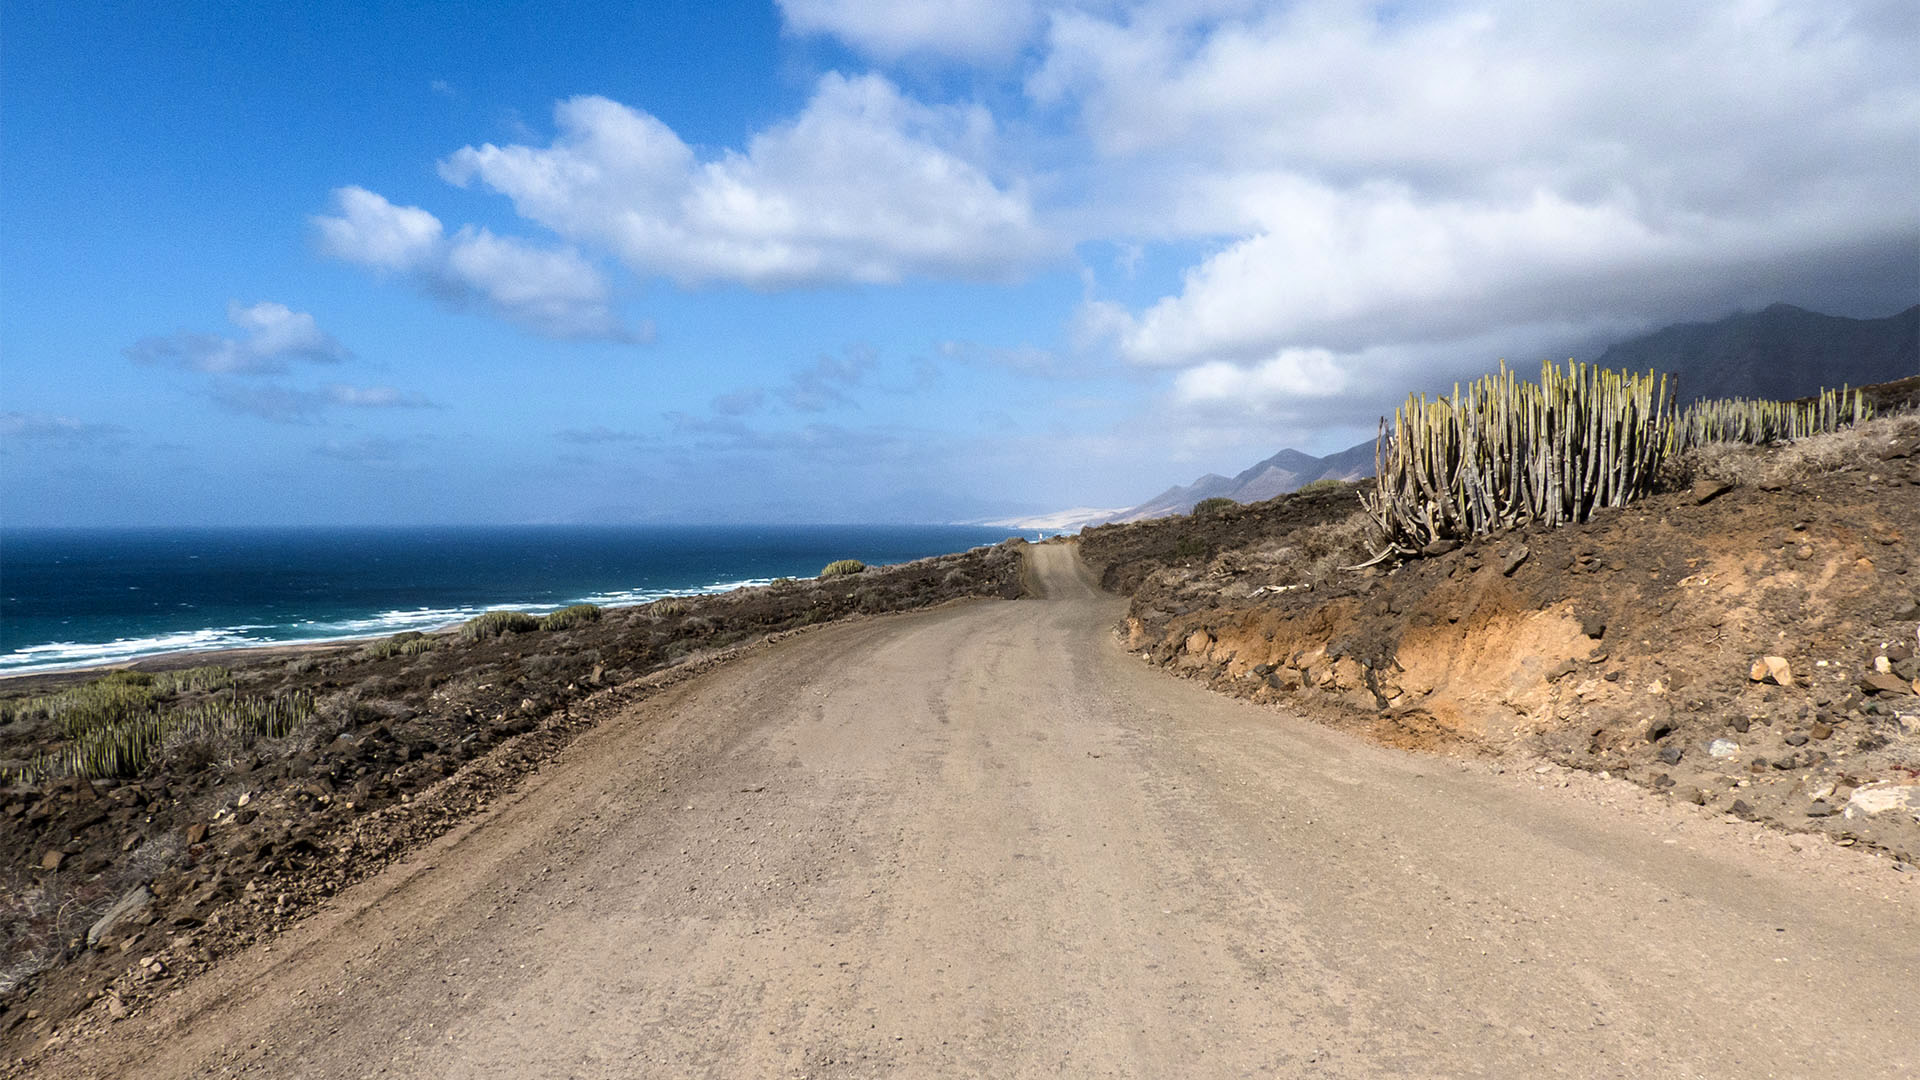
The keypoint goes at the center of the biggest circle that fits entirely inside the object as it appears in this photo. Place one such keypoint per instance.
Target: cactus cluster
(569, 617)
(496, 623)
(1747, 421)
(1503, 452)
(123, 745)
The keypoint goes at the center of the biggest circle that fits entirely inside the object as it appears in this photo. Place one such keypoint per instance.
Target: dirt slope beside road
(982, 840)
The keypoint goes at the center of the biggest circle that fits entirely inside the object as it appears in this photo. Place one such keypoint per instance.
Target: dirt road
(983, 841)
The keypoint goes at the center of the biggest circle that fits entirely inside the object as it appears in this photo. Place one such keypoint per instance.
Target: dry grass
(1763, 466)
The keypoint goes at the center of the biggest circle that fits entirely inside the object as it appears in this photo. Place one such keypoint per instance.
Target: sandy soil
(983, 840)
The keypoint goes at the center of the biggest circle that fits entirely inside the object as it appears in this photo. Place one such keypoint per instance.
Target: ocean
(73, 597)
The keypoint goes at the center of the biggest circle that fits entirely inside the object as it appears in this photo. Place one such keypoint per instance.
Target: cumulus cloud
(864, 185)
(1402, 175)
(553, 292)
(274, 336)
(981, 30)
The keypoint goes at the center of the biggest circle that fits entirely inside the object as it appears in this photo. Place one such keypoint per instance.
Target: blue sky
(826, 261)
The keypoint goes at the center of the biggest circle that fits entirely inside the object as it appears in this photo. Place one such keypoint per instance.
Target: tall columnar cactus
(1748, 421)
(1502, 453)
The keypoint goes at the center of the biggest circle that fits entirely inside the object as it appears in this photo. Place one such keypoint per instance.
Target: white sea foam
(61, 655)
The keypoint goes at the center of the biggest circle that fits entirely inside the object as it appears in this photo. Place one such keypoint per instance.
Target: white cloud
(550, 291)
(1406, 174)
(373, 232)
(291, 405)
(47, 427)
(275, 335)
(865, 185)
(1293, 373)
(981, 30)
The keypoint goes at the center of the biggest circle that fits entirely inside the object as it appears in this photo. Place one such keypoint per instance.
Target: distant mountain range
(1782, 352)
(1288, 470)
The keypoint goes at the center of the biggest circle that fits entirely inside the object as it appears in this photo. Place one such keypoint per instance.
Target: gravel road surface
(982, 840)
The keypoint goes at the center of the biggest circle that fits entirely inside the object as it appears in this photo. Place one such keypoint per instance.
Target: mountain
(1288, 470)
(1781, 352)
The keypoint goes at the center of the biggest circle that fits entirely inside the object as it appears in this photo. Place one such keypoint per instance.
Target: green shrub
(668, 607)
(1215, 505)
(495, 623)
(1318, 486)
(404, 643)
(569, 617)
(841, 567)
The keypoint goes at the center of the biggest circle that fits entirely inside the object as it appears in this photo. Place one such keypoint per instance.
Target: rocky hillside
(1744, 641)
(118, 885)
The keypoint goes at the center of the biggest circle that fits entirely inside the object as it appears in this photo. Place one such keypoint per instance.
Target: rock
(1693, 795)
(1706, 490)
(123, 909)
(1670, 754)
(1819, 809)
(1887, 796)
(1440, 547)
(1740, 724)
(1773, 669)
(1898, 653)
(1593, 626)
(1741, 809)
(1883, 664)
(1514, 559)
(196, 833)
(52, 859)
(1821, 731)
(1796, 738)
(1659, 729)
(116, 1008)
(1723, 749)
(1881, 682)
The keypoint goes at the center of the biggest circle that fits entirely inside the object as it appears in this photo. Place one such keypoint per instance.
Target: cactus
(1503, 453)
(1748, 421)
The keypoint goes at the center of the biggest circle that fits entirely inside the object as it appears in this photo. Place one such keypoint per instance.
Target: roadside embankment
(1745, 642)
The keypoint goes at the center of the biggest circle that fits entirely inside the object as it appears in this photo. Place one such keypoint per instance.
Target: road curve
(982, 840)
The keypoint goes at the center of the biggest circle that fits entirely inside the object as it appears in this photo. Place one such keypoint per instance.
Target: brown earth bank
(1745, 641)
(981, 839)
(113, 890)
